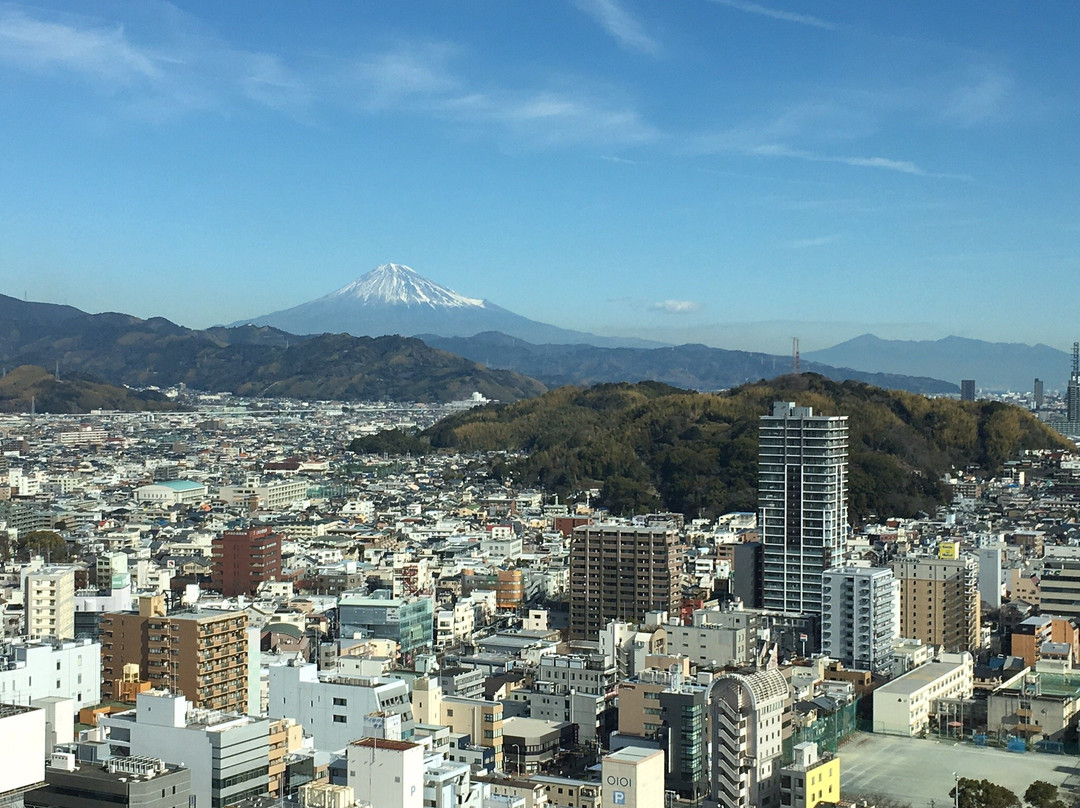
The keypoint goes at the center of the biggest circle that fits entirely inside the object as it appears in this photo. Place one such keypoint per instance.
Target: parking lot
(920, 772)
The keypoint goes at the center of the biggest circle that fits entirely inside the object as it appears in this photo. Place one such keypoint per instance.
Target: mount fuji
(395, 299)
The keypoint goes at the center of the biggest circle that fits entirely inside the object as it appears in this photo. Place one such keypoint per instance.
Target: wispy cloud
(675, 306)
(982, 97)
(422, 79)
(186, 67)
(98, 51)
(817, 241)
(618, 22)
(779, 14)
(411, 72)
(885, 163)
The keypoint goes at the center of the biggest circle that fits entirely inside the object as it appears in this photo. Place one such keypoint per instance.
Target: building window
(339, 702)
(340, 719)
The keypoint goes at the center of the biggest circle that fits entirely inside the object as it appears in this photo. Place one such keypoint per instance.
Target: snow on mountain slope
(397, 284)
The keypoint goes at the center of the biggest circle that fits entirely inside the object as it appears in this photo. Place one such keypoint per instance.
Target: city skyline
(717, 171)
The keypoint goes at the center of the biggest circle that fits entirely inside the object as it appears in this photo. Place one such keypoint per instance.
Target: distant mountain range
(251, 361)
(694, 367)
(395, 299)
(993, 365)
(265, 361)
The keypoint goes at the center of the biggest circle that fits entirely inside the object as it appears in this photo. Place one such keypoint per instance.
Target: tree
(1041, 794)
(46, 543)
(983, 794)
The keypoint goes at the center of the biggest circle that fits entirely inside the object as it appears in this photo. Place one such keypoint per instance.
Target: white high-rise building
(802, 503)
(860, 618)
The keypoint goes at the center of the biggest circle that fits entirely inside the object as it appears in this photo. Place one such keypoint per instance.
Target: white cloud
(779, 14)
(101, 52)
(983, 97)
(618, 22)
(675, 306)
(181, 67)
(816, 241)
(421, 79)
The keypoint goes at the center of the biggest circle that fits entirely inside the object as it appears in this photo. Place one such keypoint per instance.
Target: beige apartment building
(939, 601)
(203, 655)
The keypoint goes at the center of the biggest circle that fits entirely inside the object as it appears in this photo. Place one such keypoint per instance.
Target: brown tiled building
(939, 601)
(202, 654)
(620, 572)
(243, 559)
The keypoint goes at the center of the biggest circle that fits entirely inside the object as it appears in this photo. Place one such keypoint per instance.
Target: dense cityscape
(225, 605)
(566, 404)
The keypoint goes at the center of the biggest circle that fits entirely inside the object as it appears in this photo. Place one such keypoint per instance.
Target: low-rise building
(228, 754)
(332, 707)
(35, 669)
(811, 779)
(904, 705)
(131, 781)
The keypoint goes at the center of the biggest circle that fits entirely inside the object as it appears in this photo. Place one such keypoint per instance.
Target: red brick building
(243, 559)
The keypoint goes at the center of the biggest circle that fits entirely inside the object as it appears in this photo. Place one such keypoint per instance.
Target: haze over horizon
(713, 171)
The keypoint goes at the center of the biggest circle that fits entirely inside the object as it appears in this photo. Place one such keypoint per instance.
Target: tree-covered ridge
(649, 446)
(29, 386)
(247, 361)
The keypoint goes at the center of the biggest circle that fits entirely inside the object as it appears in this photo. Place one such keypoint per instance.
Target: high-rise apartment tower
(802, 503)
(620, 572)
(1072, 393)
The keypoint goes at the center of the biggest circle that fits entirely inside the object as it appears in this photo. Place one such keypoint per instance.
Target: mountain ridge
(694, 366)
(395, 299)
(993, 365)
(651, 446)
(122, 349)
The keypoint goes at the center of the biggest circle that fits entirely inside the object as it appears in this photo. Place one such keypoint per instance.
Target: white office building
(802, 504)
(35, 669)
(904, 705)
(331, 706)
(860, 618)
(228, 754)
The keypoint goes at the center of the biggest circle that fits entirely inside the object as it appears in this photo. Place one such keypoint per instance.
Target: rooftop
(180, 485)
(384, 743)
(920, 677)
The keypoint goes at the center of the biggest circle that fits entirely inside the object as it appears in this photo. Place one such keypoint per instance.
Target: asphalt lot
(920, 772)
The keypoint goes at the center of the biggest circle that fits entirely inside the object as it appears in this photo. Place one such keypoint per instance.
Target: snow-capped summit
(394, 299)
(399, 285)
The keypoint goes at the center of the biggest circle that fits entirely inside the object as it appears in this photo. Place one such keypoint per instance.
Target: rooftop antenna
(795, 355)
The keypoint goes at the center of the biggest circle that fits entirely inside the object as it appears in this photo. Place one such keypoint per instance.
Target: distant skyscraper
(802, 503)
(967, 389)
(1072, 394)
(1039, 397)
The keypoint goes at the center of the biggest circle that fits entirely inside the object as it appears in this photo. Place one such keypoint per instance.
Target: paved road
(920, 772)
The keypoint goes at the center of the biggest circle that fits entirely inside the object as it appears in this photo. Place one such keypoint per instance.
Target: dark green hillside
(247, 360)
(650, 446)
(27, 386)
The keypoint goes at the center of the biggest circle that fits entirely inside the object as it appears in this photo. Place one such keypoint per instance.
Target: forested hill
(649, 446)
(28, 387)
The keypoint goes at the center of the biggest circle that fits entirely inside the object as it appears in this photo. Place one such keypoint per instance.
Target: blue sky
(720, 171)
